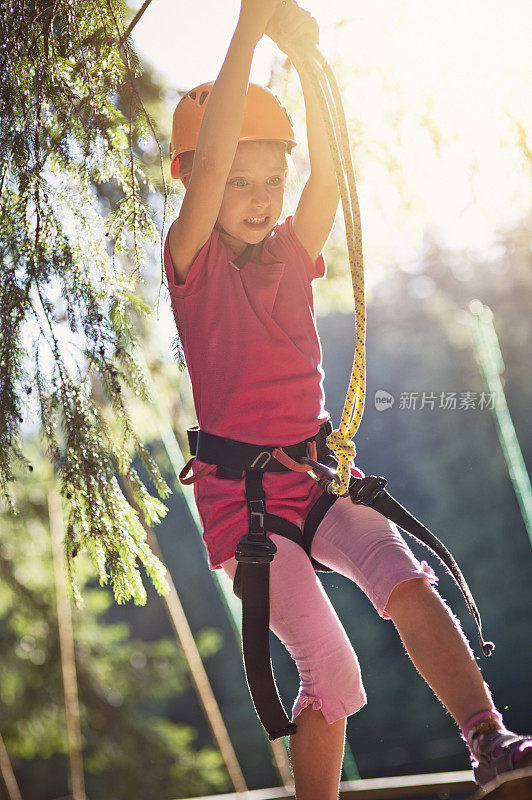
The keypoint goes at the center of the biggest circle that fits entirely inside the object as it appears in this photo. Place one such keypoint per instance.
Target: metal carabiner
(329, 472)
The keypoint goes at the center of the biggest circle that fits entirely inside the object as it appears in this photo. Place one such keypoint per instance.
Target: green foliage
(71, 119)
(126, 686)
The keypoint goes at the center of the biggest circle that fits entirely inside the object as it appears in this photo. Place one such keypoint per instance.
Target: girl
(241, 292)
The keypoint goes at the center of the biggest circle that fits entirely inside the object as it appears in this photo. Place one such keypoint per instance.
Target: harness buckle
(257, 513)
(256, 521)
(254, 550)
(262, 460)
(366, 490)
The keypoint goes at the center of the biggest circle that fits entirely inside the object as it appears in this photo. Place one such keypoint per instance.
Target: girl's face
(254, 192)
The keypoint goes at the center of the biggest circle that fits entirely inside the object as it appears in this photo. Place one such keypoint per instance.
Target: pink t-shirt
(254, 359)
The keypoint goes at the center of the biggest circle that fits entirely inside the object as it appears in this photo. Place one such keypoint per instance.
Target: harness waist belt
(234, 455)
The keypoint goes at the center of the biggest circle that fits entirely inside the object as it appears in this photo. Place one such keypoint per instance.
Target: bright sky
(410, 71)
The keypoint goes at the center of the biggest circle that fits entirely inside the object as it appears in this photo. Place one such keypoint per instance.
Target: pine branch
(70, 118)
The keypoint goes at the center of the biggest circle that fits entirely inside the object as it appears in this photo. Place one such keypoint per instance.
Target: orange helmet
(264, 118)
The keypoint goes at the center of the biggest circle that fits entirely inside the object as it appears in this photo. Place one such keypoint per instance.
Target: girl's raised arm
(217, 139)
(318, 203)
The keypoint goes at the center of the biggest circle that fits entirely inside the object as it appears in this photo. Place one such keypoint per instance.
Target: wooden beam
(6, 771)
(408, 786)
(375, 788)
(66, 647)
(516, 785)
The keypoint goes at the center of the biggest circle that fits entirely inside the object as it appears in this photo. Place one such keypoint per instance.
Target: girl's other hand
(291, 27)
(255, 15)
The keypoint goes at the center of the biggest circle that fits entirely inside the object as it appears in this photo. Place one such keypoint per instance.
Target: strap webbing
(314, 517)
(252, 585)
(239, 456)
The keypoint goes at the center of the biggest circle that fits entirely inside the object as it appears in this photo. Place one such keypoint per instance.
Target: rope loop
(344, 452)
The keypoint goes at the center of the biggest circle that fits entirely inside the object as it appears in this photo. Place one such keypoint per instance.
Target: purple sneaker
(498, 752)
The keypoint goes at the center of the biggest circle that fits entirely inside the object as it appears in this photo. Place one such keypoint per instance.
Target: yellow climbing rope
(340, 440)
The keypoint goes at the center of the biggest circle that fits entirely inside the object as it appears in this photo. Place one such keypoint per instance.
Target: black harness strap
(314, 517)
(254, 553)
(255, 593)
(234, 456)
(252, 584)
(370, 491)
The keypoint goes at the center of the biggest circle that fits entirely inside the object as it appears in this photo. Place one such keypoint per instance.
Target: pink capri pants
(355, 541)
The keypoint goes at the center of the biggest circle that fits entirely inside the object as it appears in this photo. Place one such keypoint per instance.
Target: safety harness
(234, 460)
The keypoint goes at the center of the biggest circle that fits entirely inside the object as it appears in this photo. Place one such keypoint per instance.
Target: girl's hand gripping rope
(256, 14)
(292, 29)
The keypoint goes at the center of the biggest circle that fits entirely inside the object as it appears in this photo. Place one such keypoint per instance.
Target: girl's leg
(359, 543)
(303, 618)
(316, 753)
(363, 545)
(440, 652)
